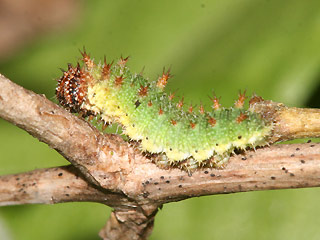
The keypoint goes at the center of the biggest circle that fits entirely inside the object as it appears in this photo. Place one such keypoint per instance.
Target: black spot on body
(145, 194)
(167, 181)
(60, 174)
(180, 186)
(297, 149)
(137, 103)
(206, 172)
(243, 158)
(292, 155)
(291, 175)
(162, 177)
(273, 178)
(212, 175)
(302, 161)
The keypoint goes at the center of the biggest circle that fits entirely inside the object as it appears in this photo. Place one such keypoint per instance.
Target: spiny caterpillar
(186, 139)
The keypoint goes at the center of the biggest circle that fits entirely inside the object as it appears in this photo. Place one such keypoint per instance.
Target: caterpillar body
(185, 138)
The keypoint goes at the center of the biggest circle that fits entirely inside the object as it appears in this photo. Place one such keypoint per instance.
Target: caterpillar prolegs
(187, 138)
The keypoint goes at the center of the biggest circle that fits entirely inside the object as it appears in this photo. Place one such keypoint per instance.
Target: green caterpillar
(187, 139)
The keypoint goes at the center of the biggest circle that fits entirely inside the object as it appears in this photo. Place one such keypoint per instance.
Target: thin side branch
(290, 123)
(54, 185)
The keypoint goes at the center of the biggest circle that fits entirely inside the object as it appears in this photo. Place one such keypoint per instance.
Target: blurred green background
(269, 47)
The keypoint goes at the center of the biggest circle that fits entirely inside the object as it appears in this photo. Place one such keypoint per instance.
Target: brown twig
(113, 173)
(289, 123)
(48, 186)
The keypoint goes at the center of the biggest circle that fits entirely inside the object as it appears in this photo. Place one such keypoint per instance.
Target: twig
(48, 186)
(290, 123)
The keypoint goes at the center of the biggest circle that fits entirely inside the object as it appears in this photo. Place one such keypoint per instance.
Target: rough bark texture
(108, 170)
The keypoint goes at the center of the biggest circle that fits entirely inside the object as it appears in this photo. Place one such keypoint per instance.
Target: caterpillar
(185, 138)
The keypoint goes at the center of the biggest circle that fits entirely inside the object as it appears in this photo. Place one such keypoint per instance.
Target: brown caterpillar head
(72, 88)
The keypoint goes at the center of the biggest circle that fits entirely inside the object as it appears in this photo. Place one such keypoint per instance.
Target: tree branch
(107, 170)
(289, 123)
(54, 185)
(276, 167)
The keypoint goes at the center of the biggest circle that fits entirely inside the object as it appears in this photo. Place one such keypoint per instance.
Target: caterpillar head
(72, 88)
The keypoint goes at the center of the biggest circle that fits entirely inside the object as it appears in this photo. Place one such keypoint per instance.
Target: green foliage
(268, 47)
